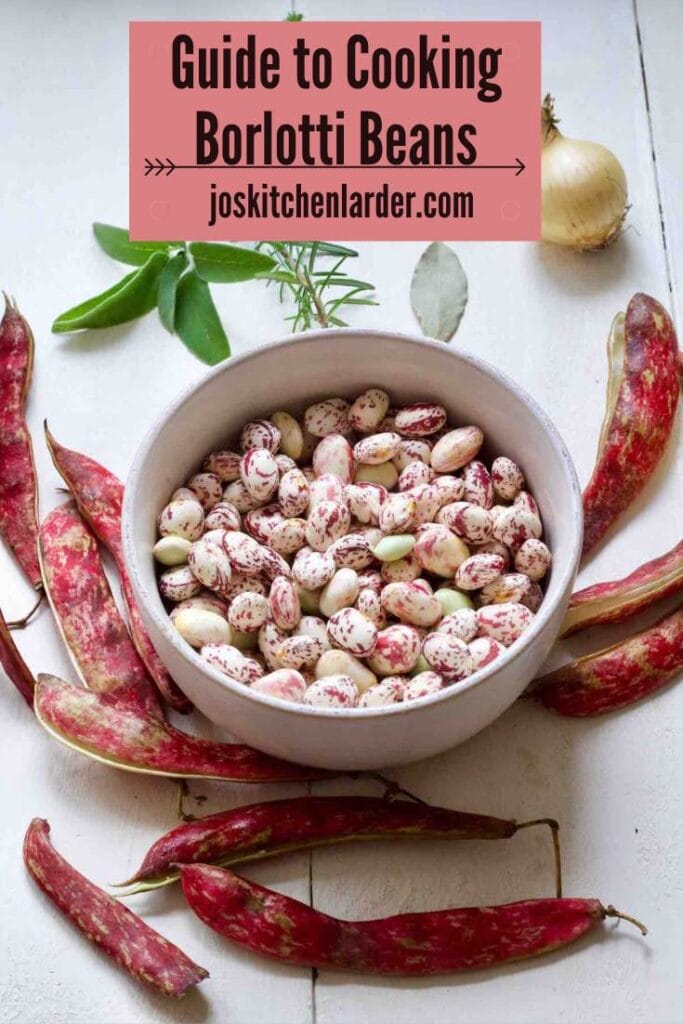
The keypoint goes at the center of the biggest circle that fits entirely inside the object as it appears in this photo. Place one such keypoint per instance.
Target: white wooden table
(542, 315)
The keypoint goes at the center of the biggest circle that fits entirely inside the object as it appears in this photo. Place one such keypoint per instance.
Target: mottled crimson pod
(617, 676)
(117, 729)
(435, 942)
(642, 395)
(14, 665)
(618, 599)
(266, 829)
(122, 935)
(83, 605)
(99, 494)
(18, 484)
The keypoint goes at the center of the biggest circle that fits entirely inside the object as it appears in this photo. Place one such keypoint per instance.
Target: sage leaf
(117, 244)
(197, 323)
(168, 287)
(133, 296)
(438, 292)
(226, 264)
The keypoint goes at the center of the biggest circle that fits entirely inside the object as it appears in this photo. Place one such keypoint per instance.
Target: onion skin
(642, 397)
(619, 599)
(616, 676)
(584, 194)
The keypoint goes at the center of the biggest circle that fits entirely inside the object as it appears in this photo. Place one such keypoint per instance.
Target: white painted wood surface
(542, 315)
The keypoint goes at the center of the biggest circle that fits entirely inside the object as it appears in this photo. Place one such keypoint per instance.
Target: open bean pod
(14, 665)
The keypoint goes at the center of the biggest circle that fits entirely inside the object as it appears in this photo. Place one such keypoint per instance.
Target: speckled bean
(209, 562)
(270, 640)
(422, 685)
(327, 487)
(389, 691)
(477, 485)
(484, 650)
(223, 516)
(298, 651)
(507, 477)
(327, 522)
(365, 501)
(291, 434)
(260, 474)
(206, 600)
(179, 584)
(208, 488)
(412, 450)
(403, 570)
(248, 611)
(332, 692)
(260, 434)
(284, 603)
(238, 495)
(244, 553)
(511, 586)
(313, 569)
(369, 604)
(182, 518)
(461, 625)
(352, 552)
(368, 410)
(420, 419)
(352, 632)
(533, 558)
(285, 683)
(396, 651)
(335, 456)
(515, 526)
(172, 550)
(448, 488)
(288, 536)
(456, 448)
(224, 464)
(293, 494)
(376, 449)
(340, 592)
(327, 417)
(440, 551)
(397, 514)
(410, 603)
(414, 475)
(260, 522)
(229, 660)
(313, 626)
(479, 570)
(504, 622)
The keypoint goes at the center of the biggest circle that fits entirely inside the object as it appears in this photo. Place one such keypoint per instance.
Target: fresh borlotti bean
(484, 650)
(313, 569)
(494, 547)
(412, 450)
(376, 449)
(261, 522)
(391, 549)
(397, 514)
(477, 484)
(299, 651)
(410, 603)
(336, 662)
(427, 501)
(206, 600)
(284, 603)
(209, 563)
(452, 600)
(420, 419)
(504, 622)
(533, 597)
(179, 584)
(199, 627)
(308, 599)
(516, 525)
(288, 536)
(414, 475)
(512, 586)
(183, 494)
(291, 435)
(396, 650)
(293, 494)
(230, 660)
(423, 685)
(223, 464)
(237, 494)
(208, 489)
(240, 584)
(284, 464)
(507, 478)
(248, 611)
(340, 592)
(389, 691)
(223, 516)
(365, 501)
(368, 410)
(327, 522)
(456, 448)
(244, 553)
(260, 434)
(403, 570)
(327, 417)
(285, 683)
(448, 489)
(260, 474)
(313, 626)
(461, 624)
(270, 640)
(471, 522)
(447, 655)
(438, 550)
(350, 630)
(369, 604)
(172, 550)
(478, 570)
(332, 692)
(352, 551)
(334, 456)
(533, 558)
(383, 475)
(182, 518)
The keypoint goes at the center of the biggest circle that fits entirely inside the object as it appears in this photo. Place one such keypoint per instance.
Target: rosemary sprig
(317, 293)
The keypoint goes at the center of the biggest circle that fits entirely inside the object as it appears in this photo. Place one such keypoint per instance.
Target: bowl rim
(327, 335)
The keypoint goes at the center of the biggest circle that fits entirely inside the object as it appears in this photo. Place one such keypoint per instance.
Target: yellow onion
(584, 196)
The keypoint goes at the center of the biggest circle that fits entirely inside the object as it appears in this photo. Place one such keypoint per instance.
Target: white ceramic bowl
(290, 375)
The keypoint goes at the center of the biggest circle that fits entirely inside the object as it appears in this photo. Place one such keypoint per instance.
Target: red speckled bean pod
(14, 665)
(120, 933)
(617, 600)
(18, 484)
(99, 494)
(435, 942)
(84, 607)
(641, 402)
(266, 829)
(117, 729)
(617, 676)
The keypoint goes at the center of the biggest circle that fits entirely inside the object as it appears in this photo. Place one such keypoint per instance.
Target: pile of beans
(361, 558)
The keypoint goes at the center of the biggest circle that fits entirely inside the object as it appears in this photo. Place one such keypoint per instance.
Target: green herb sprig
(174, 277)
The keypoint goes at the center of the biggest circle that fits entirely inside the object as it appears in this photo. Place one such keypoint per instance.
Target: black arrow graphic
(156, 166)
